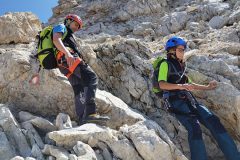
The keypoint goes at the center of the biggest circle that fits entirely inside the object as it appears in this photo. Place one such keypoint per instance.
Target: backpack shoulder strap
(65, 35)
(41, 38)
(160, 62)
(71, 42)
(169, 67)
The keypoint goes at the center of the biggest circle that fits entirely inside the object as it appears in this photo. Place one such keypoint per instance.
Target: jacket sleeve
(163, 72)
(59, 29)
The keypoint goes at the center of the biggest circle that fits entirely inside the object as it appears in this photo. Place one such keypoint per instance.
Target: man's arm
(193, 86)
(170, 86)
(57, 41)
(210, 86)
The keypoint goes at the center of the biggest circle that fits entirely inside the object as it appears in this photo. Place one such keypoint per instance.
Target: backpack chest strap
(175, 71)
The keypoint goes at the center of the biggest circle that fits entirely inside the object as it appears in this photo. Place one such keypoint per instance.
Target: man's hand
(212, 85)
(70, 59)
(35, 79)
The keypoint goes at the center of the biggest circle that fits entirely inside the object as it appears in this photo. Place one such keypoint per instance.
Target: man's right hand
(70, 59)
(57, 41)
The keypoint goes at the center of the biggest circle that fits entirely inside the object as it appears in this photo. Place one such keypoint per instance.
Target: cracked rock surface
(119, 40)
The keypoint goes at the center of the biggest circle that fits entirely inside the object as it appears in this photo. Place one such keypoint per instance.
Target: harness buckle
(166, 95)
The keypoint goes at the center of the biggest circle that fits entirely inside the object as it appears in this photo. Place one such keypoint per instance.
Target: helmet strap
(68, 23)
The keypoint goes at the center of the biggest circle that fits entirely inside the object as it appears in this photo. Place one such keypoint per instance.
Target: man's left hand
(212, 85)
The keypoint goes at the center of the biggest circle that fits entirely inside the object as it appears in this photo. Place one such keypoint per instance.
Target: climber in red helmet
(80, 75)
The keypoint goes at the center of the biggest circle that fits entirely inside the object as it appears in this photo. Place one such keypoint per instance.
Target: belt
(174, 95)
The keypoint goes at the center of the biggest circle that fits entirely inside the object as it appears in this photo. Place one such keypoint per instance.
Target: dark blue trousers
(211, 122)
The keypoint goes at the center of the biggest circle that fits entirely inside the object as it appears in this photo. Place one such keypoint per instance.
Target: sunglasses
(76, 25)
(181, 50)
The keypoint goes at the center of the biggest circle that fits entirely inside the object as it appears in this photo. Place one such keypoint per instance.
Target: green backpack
(156, 64)
(46, 52)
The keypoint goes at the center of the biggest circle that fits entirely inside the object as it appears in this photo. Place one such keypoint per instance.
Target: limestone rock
(51, 158)
(19, 27)
(105, 151)
(172, 23)
(120, 146)
(84, 151)
(25, 116)
(117, 41)
(17, 158)
(133, 8)
(37, 153)
(83, 133)
(30, 158)
(237, 5)
(63, 121)
(227, 91)
(13, 131)
(32, 135)
(144, 135)
(58, 152)
(18, 70)
(31, 95)
(154, 139)
(116, 109)
(6, 151)
(148, 144)
(43, 124)
(64, 5)
(144, 29)
(217, 22)
(73, 157)
(234, 17)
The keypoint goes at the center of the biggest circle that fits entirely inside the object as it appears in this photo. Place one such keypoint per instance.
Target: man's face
(180, 50)
(74, 26)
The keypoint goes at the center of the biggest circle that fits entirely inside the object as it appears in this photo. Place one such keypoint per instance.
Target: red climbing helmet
(75, 18)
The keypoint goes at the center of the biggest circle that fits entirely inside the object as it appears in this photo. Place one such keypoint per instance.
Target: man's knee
(92, 77)
(90, 101)
(77, 89)
(195, 130)
(95, 79)
(216, 124)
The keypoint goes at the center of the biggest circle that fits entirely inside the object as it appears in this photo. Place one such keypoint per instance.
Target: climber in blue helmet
(177, 87)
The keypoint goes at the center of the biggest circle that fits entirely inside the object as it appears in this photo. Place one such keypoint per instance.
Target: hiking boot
(97, 119)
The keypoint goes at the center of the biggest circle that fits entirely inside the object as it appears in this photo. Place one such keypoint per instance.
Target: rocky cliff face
(119, 40)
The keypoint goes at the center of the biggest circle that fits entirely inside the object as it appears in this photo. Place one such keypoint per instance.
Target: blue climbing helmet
(174, 42)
